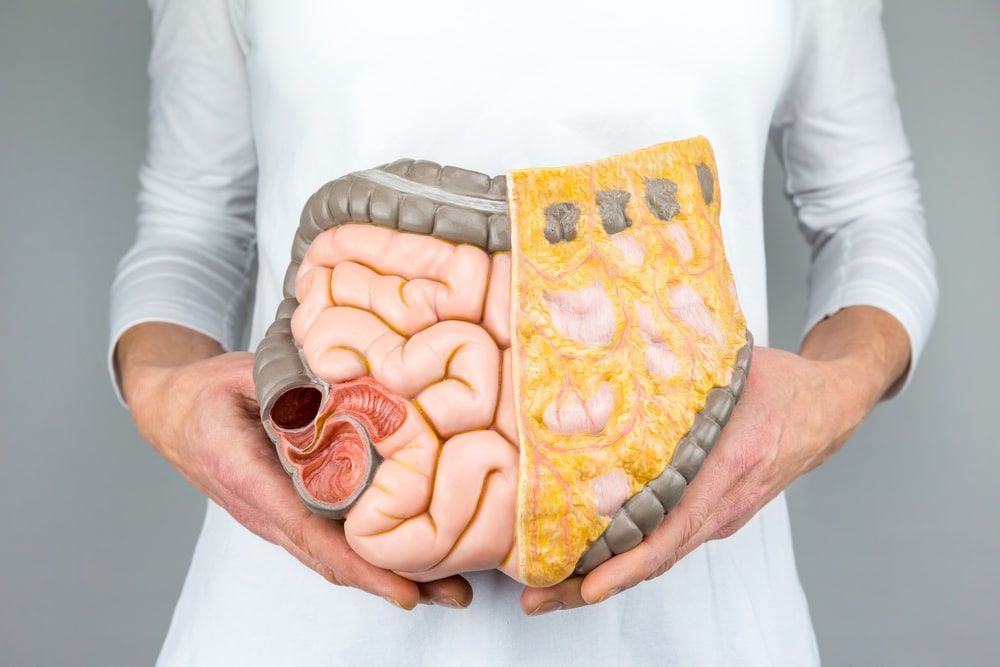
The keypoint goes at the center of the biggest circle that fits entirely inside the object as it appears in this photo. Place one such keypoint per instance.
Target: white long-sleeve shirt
(256, 103)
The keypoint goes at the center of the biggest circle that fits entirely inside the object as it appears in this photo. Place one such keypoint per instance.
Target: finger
(665, 545)
(323, 539)
(261, 482)
(454, 592)
(627, 569)
(310, 562)
(252, 518)
(739, 504)
(721, 494)
(729, 529)
(564, 595)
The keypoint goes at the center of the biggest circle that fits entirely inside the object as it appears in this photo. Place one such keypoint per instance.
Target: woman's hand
(197, 407)
(795, 412)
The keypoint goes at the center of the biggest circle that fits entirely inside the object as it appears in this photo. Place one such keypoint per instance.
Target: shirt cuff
(886, 266)
(157, 285)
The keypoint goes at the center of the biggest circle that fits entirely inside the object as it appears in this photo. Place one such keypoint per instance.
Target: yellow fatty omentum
(557, 518)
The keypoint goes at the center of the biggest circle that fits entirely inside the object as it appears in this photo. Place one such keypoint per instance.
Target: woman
(255, 104)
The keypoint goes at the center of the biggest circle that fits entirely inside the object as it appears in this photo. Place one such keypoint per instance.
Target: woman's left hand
(794, 413)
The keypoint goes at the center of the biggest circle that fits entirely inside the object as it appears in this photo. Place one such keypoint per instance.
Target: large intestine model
(521, 372)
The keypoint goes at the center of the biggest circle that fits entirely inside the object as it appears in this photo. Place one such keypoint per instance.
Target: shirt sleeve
(849, 174)
(193, 259)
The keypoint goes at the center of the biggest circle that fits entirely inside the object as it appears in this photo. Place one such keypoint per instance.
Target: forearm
(148, 356)
(156, 346)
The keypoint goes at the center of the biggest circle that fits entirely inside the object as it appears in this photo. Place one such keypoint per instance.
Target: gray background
(897, 536)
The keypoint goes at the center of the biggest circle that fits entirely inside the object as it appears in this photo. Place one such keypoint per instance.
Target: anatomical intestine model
(520, 372)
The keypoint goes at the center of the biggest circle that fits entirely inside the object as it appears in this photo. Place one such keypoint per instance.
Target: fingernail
(395, 602)
(613, 591)
(448, 601)
(546, 607)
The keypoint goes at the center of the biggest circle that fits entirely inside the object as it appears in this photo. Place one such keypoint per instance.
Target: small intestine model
(520, 372)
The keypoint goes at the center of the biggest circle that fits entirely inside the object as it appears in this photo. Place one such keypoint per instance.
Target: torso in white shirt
(341, 86)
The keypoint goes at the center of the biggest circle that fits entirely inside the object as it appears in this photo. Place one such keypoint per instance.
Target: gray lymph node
(661, 197)
(706, 182)
(560, 222)
(611, 207)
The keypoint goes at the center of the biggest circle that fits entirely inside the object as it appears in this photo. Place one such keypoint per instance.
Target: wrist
(150, 357)
(852, 391)
(868, 350)
(141, 381)
(859, 353)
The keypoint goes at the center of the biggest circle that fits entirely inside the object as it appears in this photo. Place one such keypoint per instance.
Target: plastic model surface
(520, 372)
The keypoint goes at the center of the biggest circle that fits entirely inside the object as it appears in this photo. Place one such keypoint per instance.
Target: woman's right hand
(197, 407)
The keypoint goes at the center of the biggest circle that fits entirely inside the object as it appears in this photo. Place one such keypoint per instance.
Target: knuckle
(755, 455)
(297, 535)
(658, 570)
(728, 530)
(256, 525)
(768, 435)
(215, 466)
(742, 508)
(694, 519)
(227, 473)
(744, 456)
(332, 576)
(651, 561)
(351, 573)
(325, 571)
(736, 515)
